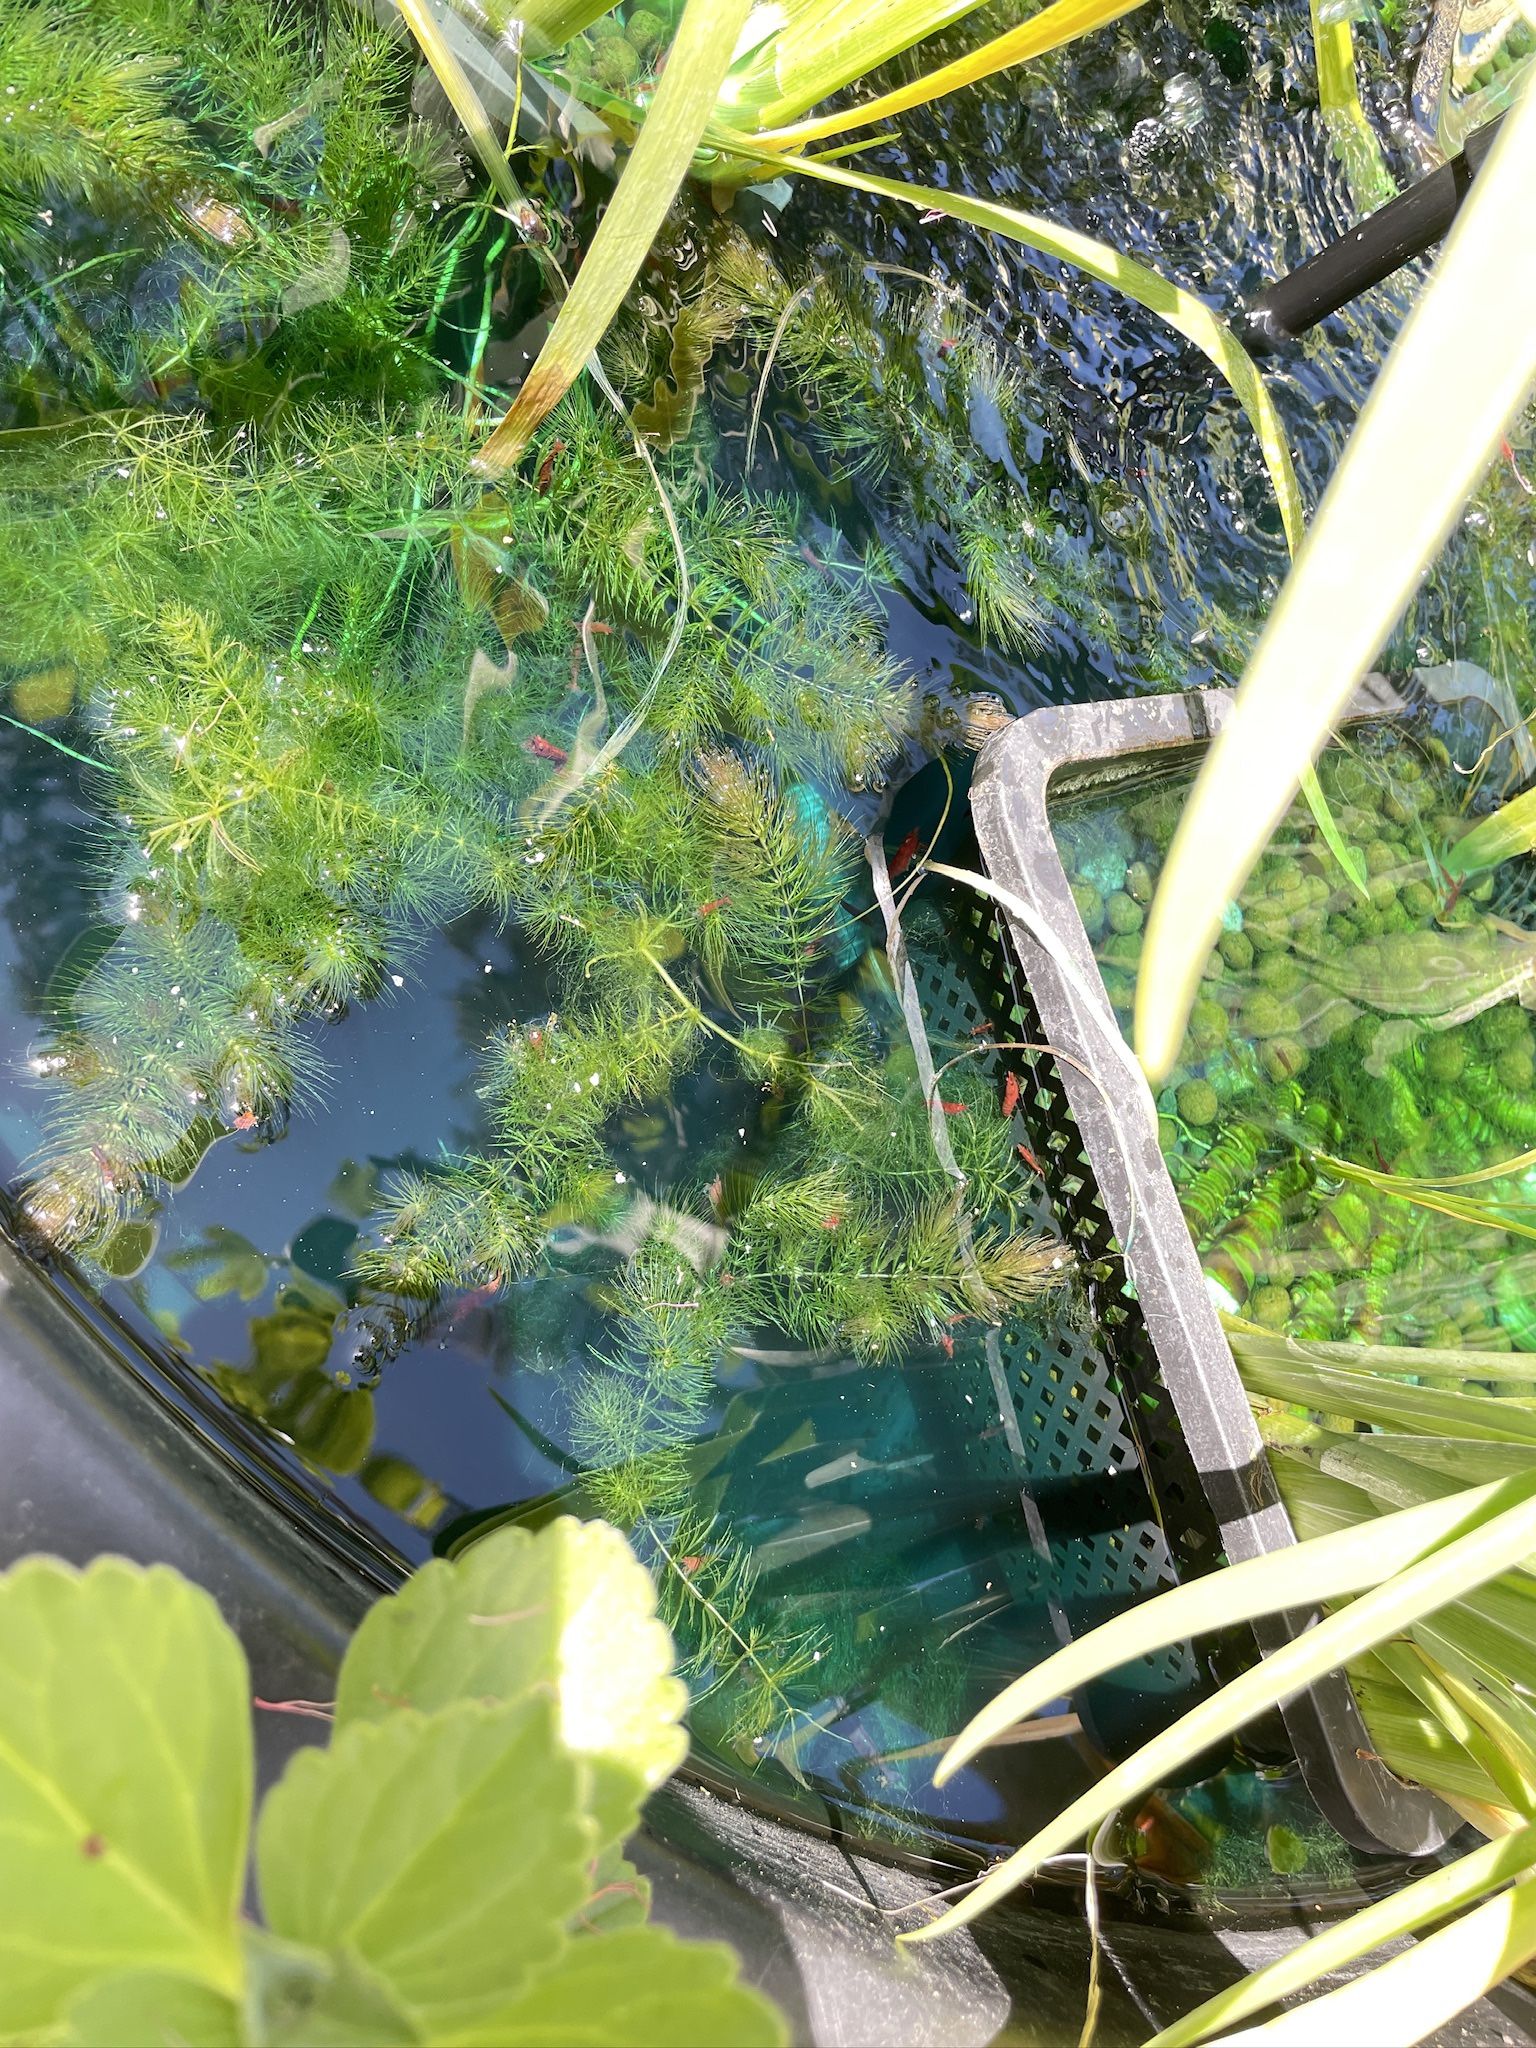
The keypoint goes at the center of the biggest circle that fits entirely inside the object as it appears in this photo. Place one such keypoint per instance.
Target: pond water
(304, 804)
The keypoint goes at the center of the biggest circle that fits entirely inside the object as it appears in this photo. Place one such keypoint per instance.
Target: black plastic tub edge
(1208, 1451)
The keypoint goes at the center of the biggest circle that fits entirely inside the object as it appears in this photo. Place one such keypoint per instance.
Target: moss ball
(1363, 921)
(1270, 1306)
(645, 30)
(1515, 1069)
(1197, 1103)
(46, 693)
(1263, 1015)
(1207, 1024)
(1122, 949)
(1119, 987)
(1236, 948)
(1285, 877)
(616, 63)
(1283, 1058)
(1280, 973)
(1358, 823)
(605, 29)
(1379, 857)
(1445, 1058)
(1124, 913)
(1267, 932)
(1139, 881)
(1090, 907)
(1167, 1136)
(1503, 1026)
(1418, 899)
(1445, 1336)
(1396, 919)
(1382, 891)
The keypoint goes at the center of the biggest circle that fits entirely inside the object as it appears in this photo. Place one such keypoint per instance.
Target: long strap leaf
(1332, 1948)
(1459, 370)
(1060, 23)
(1496, 1542)
(1332, 1567)
(1187, 314)
(423, 24)
(696, 64)
(1412, 1996)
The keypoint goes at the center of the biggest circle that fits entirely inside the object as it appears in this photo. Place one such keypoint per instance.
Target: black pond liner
(1168, 1361)
(107, 1447)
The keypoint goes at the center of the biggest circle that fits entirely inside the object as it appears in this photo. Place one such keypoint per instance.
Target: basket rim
(1010, 798)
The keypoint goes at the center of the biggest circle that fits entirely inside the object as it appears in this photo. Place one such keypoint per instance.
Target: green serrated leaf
(620, 1896)
(567, 1609)
(125, 1783)
(300, 1997)
(447, 1851)
(640, 1989)
(152, 2009)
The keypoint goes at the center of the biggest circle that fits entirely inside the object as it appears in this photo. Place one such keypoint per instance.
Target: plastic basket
(1173, 1378)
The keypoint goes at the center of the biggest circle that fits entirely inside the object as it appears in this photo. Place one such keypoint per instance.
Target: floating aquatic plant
(1347, 1120)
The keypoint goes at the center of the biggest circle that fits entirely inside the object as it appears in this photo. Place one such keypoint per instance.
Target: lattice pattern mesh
(1065, 1428)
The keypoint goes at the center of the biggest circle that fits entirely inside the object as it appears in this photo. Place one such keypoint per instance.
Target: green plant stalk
(462, 97)
(1422, 441)
(696, 64)
(1402, 1913)
(1182, 311)
(1492, 1542)
(1352, 136)
(1427, 1195)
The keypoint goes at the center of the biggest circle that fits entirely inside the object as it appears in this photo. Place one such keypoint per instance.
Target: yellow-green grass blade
(1402, 2001)
(1415, 1746)
(1063, 21)
(450, 74)
(696, 64)
(547, 24)
(1350, 1562)
(1182, 311)
(1470, 1718)
(1349, 860)
(1428, 1195)
(1388, 1403)
(1418, 1905)
(796, 53)
(1509, 830)
(1489, 1545)
(1249, 1341)
(1458, 372)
